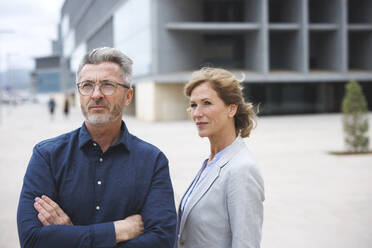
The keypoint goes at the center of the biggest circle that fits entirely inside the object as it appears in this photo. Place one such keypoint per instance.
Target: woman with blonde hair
(223, 206)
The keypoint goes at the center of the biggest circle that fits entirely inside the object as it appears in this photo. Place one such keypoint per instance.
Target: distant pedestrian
(66, 106)
(51, 106)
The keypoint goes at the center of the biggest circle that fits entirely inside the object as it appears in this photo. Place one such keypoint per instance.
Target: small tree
(355, 118)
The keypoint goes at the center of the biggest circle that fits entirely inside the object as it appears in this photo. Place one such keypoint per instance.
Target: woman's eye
(193, 105)
(207, 103)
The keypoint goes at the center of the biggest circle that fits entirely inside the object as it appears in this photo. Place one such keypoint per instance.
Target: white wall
(145, 101)
(132, 34)
(77, 56)
(160, 101)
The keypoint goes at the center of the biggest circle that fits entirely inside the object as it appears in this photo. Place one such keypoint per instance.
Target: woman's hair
(108, 54)
(228, 88)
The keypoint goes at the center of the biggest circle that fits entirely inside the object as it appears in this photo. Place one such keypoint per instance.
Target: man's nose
(96, 94)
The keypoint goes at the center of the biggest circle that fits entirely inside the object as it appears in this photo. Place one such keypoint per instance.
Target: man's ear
(233, 108)
(128, 97)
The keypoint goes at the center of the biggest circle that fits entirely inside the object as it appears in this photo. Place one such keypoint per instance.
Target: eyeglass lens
(106, 88)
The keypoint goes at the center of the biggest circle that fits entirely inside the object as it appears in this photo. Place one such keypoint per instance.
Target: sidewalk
(313, 199)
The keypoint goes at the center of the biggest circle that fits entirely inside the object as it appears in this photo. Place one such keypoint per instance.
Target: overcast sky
(33, 24)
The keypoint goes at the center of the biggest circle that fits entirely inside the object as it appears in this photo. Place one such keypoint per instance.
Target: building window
(223, 10)
(224, 50)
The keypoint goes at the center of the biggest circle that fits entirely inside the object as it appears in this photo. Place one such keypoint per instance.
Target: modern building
(47, 74)
(294, 56)
(46, 77)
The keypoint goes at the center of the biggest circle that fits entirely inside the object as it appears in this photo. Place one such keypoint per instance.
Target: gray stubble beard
(98, 120)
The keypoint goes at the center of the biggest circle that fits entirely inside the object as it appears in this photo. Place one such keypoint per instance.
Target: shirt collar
(224, 150)
(85, 138)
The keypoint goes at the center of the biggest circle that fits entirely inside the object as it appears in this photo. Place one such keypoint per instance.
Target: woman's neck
(221, 140)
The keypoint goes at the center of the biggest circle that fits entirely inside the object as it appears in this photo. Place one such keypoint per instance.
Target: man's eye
(193, 105)
(107, 84)
(86, 85)
(207, 103)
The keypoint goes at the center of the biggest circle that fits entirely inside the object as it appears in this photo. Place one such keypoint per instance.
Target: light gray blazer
(226, 208)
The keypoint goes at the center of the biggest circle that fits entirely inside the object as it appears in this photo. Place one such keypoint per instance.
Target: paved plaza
(313, 199)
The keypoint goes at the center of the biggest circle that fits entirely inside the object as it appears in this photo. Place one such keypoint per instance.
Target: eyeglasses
(107, 88)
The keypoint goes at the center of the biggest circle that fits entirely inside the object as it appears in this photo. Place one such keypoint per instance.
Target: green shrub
(355, 118)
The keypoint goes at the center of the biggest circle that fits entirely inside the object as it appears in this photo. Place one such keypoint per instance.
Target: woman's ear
(232, 110)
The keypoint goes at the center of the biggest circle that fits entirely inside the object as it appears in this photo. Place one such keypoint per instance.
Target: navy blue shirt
(95, 189)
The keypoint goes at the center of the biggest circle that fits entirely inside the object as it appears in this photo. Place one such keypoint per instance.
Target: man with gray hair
(98, 186)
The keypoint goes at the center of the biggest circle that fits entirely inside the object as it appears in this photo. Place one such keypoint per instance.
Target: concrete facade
(160, 101)
(270, 42)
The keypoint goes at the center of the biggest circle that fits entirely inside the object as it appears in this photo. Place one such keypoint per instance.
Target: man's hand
(128, 228)
(50, 213)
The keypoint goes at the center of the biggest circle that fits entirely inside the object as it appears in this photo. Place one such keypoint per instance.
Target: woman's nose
(197, 112)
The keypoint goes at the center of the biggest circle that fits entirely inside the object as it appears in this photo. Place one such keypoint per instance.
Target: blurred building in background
(47, 74)
(294, 55)
(46, 77)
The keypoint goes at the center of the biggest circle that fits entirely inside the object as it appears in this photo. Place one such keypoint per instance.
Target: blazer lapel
(210, 178)
(201, 189)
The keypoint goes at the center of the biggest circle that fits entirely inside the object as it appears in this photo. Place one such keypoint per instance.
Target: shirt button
(94, 144)
(100, 160)
(182, 243)
(97, 208)
(99, 182)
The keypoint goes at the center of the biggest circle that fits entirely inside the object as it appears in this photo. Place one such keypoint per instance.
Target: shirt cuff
(104, 235)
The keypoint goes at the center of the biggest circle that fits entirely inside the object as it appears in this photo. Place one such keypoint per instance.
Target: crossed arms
(50, 213)
(42, 223)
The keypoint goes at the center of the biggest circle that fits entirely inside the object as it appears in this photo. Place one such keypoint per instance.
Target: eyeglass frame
(99, 84)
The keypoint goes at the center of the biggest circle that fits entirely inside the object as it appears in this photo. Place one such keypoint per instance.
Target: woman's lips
(201, 123)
